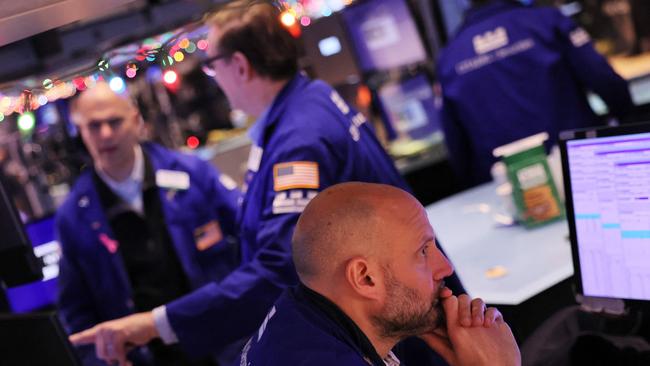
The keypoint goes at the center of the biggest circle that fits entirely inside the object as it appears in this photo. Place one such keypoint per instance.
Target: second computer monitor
(384, 34)
(409, 106)
(607, 182)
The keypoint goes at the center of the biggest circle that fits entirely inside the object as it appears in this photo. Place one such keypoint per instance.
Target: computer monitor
(18, 264)
(39, 294)
(639, 91)
(35, 340)
(384, 34)
(328, 52)
(607, 186)
(409, 107)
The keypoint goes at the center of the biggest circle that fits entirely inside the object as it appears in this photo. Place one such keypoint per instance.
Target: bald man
(371, 275)
(142, 227)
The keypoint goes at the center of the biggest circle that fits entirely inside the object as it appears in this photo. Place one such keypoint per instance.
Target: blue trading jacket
(303, 330)
(308, 140)
(512, 71)
(93, 282)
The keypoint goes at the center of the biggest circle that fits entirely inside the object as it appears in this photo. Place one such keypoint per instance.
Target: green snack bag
(533, 189)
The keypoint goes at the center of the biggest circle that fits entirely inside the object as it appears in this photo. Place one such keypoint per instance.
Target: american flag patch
(297, 174)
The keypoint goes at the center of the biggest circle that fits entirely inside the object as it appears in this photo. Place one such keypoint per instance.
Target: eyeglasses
(206, 65)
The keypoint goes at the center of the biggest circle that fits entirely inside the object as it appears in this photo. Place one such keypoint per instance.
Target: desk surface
(535, 259)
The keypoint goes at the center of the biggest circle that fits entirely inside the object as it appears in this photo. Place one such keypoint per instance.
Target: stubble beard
(405, 314)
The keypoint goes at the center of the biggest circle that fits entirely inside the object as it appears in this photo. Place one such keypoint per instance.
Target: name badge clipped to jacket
(172, 179)
(208, 235)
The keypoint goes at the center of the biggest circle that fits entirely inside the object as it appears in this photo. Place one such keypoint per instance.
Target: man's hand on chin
(474, 335)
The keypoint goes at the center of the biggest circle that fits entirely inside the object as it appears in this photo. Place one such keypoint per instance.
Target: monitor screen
(384, 34)
(609, 207)
(37, 295)
(329, 46)
(410, 107)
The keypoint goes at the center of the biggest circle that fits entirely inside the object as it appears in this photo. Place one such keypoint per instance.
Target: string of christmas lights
(163, 50)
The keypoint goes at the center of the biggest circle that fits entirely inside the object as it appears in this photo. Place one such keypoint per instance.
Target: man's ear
(242, 66)
(364, 278)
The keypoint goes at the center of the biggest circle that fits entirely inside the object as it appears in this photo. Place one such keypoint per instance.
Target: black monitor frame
(35, 339)
(565, 136)
(18, 264)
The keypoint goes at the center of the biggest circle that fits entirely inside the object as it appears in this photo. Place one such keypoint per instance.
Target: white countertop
(535, 259)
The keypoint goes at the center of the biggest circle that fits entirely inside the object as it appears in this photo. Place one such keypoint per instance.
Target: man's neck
(120, 172)
(360, 317)
(266, 90)
(382, 345)
(353, 319)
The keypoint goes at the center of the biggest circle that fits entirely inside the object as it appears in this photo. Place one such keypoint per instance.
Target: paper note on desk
(496, 272)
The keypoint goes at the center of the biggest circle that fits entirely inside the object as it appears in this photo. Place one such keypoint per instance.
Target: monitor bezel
(34, 243)
(53, 322)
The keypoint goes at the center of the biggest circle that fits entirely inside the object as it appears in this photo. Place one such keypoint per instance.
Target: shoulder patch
(293, 201)
(296, 174)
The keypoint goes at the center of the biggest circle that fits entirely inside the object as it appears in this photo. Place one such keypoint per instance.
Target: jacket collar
(354, 334)
(260, 130)
(88, 199)
(111, 201)
(482, 12)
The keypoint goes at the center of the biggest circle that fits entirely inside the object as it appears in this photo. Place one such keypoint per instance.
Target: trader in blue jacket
(306, 138)
(371, 275)
(512, 71)
(143, 227)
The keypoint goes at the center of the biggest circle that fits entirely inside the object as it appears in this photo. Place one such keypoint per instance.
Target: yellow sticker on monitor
(296, 174)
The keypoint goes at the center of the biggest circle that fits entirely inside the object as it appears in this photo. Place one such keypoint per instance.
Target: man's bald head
(344, 221)
(100, 96)
(370, 249)
(109, 124)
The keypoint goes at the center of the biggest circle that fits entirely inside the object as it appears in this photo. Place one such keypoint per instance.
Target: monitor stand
(592, 304)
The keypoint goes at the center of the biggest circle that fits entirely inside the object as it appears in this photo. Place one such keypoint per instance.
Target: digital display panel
(410, 107)
(384, 34)
(610, 196)
(40, 294)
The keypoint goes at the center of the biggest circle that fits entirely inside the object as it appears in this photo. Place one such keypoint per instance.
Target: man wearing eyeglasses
(142, 227)
(306, 139)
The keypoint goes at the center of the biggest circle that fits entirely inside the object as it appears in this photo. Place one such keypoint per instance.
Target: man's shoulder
(296, 333)
(313, 113)
(82, 186)
(311, 94)
(519, 20)
(319, 355)
(164, 158)
(290, 343)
